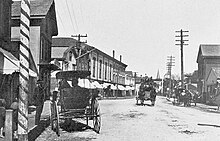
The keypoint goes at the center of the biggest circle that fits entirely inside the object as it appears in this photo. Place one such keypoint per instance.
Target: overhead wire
(70, 15)
(74, 17)
(61, 21)
(81, 13)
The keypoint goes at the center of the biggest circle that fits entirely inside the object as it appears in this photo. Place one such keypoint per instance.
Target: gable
(38, 8)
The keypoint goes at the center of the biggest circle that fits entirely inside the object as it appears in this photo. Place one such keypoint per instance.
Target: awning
(113, 87)
(10, 63)
(85, 83)
(97, 85)
(120, 87)
(128, 88)
(105, 85)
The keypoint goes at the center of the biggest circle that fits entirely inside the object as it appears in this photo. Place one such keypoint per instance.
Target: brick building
(104, 69)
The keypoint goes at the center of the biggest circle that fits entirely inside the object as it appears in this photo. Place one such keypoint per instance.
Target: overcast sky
(142, 31)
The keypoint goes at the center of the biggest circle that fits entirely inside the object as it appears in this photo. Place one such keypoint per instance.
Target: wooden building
(208, 57)
(43, 25)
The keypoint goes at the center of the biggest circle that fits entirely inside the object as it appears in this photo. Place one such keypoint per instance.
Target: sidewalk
(44, 116)
(201, 106)
(35, 130)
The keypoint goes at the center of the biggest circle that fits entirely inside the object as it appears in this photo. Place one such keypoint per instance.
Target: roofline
(111, 57)
(90, 49)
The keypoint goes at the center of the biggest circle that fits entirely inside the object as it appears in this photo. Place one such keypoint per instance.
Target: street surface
(122, 120)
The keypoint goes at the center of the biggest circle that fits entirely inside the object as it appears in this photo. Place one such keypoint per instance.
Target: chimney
(120, 58)
(113, 54)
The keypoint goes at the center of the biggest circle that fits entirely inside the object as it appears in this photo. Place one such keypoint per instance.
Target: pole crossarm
(181, 44)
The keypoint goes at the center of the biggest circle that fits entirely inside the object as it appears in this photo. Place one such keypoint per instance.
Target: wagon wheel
(55, 118)
(97, 116)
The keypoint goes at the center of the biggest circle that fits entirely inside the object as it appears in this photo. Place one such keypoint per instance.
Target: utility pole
(79, 48)
(170, 63)
(182, 43)
(78, 43)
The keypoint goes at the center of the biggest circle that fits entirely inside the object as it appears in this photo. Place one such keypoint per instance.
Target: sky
(143, 31)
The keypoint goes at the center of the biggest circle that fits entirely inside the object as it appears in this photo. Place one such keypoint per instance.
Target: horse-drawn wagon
(74, 102)
(146, 92)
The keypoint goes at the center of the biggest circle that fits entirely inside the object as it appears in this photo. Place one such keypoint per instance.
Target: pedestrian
(2, 116)
(195, 97)
(14, 107)
(39, 97)
(153, 95)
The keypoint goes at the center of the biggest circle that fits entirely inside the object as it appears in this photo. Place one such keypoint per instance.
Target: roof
(38, 7)
(129, 73)
(206, 50)
(57, 52)
(61, 44)
(210, 50)
(216, 70)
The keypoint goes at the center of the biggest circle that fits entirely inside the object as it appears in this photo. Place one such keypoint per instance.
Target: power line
(75, 18)
(70, 15)
(61, 21)
(80, 8)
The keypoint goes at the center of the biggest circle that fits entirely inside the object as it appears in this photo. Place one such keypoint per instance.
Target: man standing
(39, 96)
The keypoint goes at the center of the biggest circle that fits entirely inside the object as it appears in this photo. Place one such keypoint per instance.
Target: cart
(74, 102)
(144, 92)
(142, 96)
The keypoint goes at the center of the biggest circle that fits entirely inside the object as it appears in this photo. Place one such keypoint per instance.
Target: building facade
(208, 57)
(103, 67)
(43, 26)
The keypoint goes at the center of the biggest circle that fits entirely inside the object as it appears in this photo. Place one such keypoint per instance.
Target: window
(45, 52)
(110, 72)
(100, 69)
(42, 49)
(106, 70)
(70, 56)
(93, 67)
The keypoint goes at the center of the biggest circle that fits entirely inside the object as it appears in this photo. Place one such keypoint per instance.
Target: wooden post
(24, 71)
(8, 125)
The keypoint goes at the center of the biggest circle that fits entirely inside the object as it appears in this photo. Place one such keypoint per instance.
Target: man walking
(39, 97)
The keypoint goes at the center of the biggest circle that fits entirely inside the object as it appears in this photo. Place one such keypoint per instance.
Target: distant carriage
(185, 97)
(146, 92)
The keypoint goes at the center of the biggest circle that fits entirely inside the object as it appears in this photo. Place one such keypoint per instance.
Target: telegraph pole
(170, 63)
(182, 43)
(78, 43)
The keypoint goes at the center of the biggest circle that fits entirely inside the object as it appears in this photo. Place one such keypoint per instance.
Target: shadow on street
(72, 125)
(33, 134)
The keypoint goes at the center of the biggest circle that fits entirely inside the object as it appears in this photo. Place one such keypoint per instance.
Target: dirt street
(122, 120)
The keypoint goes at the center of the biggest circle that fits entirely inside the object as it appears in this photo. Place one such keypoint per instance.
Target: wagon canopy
(69, 75)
